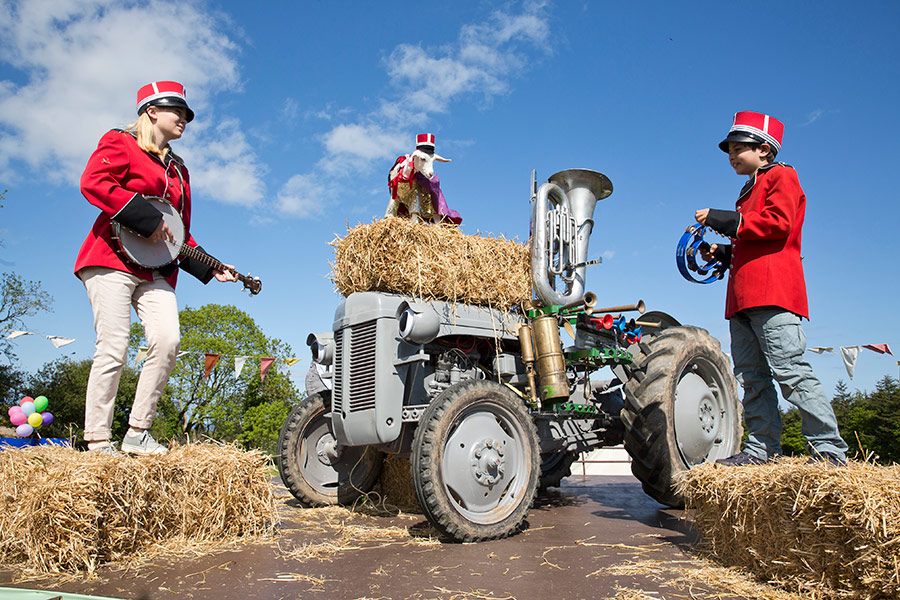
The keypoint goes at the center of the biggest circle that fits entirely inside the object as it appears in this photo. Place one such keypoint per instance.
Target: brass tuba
(560, 233)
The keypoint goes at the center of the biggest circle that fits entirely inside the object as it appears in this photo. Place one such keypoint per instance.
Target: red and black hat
(425, 142)
(163, 93)
(755, 128)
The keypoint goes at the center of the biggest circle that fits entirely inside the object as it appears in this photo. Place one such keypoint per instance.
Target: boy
(766, 296)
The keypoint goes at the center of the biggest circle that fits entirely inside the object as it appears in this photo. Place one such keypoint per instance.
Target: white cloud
(82, 62)
(304, 196)
(482, 61)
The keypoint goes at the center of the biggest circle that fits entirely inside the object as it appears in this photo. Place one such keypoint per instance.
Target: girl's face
(169, 121)
(746, 159)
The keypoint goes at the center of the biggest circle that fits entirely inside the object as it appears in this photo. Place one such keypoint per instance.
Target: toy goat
(416, 189)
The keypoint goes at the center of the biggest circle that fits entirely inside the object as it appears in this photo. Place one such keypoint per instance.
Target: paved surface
(575, 546)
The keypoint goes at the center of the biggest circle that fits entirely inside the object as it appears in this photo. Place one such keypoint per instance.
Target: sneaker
(104, 447)
(142, 443)
(829, 458)
(741, 459)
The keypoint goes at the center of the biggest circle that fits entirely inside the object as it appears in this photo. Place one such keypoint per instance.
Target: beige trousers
(112, 293)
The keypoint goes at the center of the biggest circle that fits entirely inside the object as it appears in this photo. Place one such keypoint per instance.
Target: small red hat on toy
(163, 93)
(425, 142)
(755, 128)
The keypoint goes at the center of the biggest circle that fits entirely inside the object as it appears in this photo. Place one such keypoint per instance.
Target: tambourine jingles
(689, 247)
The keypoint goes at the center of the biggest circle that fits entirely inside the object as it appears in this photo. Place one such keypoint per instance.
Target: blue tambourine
(686, 257)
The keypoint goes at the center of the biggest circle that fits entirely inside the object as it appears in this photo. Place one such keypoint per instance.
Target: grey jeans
(767, 346)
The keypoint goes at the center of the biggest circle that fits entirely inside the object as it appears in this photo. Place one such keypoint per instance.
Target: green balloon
(40, 403)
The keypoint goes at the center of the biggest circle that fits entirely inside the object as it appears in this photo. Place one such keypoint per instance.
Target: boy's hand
(707, 251)
(701, 215)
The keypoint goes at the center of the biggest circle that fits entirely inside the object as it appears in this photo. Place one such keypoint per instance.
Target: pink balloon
(24, 430)
(18, 418)
(26, 399)
(47, 417)
(14, 409)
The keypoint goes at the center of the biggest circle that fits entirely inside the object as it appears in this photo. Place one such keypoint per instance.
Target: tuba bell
(561, 232)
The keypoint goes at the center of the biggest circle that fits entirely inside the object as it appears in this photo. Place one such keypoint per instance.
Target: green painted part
(580, 409)
(7, 593)
(539, 312)
(600, 356)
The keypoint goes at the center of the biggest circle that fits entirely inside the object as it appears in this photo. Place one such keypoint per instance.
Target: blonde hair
(142, 129)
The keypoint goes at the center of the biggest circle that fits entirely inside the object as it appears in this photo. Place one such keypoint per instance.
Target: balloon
(18, 418)
(28, 408)
(35, 420)
(40, 403)
(25, 399)
(13, 409)
(24, 430)
(47, 418)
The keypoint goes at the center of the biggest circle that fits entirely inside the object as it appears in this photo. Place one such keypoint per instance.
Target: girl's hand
(225, 276)
(162, 233)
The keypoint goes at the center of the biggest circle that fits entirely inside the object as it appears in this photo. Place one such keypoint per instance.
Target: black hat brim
(170, 101)
(741, 136)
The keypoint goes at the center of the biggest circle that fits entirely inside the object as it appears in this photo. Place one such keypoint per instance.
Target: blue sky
(302, 107)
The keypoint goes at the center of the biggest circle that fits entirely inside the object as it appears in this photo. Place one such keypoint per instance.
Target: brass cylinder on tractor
(527, 344)
(551, 365)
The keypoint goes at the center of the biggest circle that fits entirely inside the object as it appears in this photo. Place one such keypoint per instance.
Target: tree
(219, 405)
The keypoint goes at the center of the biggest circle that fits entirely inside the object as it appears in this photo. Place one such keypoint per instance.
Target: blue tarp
(6, 443)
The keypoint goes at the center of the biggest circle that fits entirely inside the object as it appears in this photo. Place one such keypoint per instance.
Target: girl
(128, 166)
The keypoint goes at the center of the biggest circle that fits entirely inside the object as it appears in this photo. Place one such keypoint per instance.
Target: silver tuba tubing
(560, 234)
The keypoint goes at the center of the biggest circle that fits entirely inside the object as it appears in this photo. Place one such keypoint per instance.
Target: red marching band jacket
(118, 176)
(765, 256)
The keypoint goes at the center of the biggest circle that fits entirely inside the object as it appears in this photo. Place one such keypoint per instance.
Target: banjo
(151, 255)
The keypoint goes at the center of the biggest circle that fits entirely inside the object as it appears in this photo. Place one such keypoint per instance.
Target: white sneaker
(104, 447)
(142, 443)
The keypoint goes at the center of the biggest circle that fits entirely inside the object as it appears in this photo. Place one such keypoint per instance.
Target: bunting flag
(264, 365)
(14, 334)
(141, 355)
(849, 354)
(879, 348)
(210, 363)
(820, 350)
(293, 361)
(58, 341)
(239, 365)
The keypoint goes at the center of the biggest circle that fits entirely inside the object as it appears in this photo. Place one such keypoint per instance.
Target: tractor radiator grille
(337, 397)
(361, 394)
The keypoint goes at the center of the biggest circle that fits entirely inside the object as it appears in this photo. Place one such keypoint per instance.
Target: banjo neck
(191, 252)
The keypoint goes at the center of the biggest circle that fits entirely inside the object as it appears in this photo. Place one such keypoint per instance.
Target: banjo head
(141, 250)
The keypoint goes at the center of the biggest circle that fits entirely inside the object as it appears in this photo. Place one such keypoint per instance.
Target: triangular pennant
(141, 355)
(58, 341)
(14, 334)
(821, 349)
(210, 363)
(182, 353)
(879, 348)
(264, 365)
(239, 365)
(849, 354)
(291, 361)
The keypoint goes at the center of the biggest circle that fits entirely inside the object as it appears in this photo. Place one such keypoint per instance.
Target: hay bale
(830, 532)
(397, 486)
(64, 511)
(433, 262)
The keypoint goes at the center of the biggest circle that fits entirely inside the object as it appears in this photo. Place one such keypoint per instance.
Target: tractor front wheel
(681, 409)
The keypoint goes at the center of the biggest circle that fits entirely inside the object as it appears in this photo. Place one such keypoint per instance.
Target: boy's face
(746, 159)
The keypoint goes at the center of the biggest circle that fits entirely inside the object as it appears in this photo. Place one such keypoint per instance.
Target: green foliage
(792, 441)
(262, 424)
(218, 406)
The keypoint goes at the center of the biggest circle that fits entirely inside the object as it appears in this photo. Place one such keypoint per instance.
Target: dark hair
(769, 157)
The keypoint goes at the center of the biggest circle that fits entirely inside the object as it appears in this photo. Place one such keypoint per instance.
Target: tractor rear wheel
(475, 461)
(681, 409)
(316, 469)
